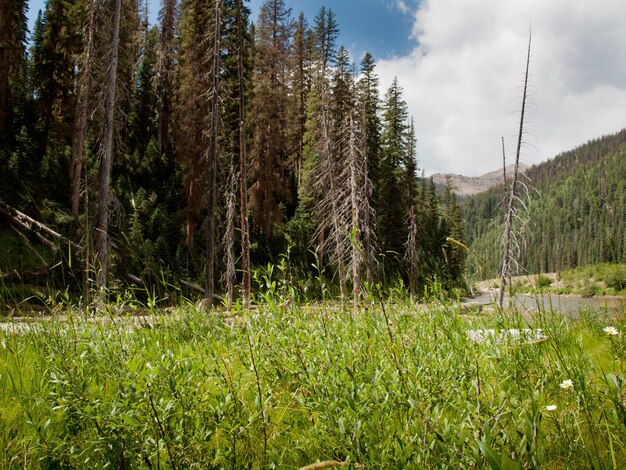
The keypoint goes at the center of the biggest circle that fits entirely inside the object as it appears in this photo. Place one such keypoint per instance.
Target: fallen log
(22, 221)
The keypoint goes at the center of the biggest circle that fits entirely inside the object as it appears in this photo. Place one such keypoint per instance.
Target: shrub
(616, 278)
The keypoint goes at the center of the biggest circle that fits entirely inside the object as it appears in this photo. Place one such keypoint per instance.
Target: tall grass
(390, 385)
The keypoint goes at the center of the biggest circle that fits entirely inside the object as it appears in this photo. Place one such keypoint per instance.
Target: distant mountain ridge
(465, 186)
(575, 212)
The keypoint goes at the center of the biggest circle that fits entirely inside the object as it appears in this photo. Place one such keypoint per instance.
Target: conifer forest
(218, 250)
(204, 146)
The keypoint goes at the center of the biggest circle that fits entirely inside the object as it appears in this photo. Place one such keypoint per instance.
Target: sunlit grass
(389, 385)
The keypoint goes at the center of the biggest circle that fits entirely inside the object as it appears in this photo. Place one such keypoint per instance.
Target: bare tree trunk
(355, 187)
(212, 160)
(231, 217)
(82, 111)
(243, 157)
(411, 253)
(334, 196)
(106, 156)
(510, 212)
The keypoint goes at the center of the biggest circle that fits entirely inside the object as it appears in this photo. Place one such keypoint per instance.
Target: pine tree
(12, 53)
(270, 107)
(300, 63)
(325, 33)
(191, 109)
(392, 210)
(368, 103)
(165, 71)
(455, 252)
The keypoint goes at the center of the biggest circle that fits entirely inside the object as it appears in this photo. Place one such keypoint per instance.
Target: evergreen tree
(301, 63)
(325, 32)
(192, 110)
(270, 151)
(165, 71)
(368, 103)
(12, 54)
(392, 210)
(454, 247)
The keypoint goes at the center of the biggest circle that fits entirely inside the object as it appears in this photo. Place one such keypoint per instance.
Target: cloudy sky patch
(463, 81)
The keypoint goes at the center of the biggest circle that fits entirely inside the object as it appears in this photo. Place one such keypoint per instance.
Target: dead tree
(83, 93)
(229, 237)
(211, 157)
(356, 183)
(243, 157)
(106, 156)
(507, 258)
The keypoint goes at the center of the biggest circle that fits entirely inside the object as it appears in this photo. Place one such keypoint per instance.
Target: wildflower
(550, 407)
(611, 331)
(566, 384)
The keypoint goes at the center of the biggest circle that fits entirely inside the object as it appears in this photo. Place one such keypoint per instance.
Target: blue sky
(460, 63)
(381, 27)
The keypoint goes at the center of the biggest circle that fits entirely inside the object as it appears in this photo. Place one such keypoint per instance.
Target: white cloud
(402, 6)
(463, 82)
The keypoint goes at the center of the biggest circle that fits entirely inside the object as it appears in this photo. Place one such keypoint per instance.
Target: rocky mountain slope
(469, 185)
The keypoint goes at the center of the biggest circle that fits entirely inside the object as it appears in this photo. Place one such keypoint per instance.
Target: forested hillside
(576, 208)
(203, 146)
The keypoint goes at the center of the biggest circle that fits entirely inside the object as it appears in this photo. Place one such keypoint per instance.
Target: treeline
(205, 144)
(576, 209)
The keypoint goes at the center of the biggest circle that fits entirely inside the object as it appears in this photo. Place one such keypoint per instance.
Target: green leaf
(489, 455)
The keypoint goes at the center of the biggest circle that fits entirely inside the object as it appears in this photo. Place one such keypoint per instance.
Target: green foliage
(576, 215)
(286, 386)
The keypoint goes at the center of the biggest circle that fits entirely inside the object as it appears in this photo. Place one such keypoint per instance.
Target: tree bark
(83, 91)
(212, 159)
(510, 212)
(243, 157)
(106, 156)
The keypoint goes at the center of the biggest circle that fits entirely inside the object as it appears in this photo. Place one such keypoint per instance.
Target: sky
(461, 64)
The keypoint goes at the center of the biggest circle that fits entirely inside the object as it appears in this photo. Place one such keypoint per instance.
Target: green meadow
(389, 384)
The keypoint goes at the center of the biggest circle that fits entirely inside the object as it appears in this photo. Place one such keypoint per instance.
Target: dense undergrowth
(387, 385)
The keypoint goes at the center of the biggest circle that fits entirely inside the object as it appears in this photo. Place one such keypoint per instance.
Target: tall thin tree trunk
(212, 160)
(411, 252)
(243, 157)
(80, 123)
(334, 194)
(355, 188)
(231, 217)
(510, 211)
(106, 155)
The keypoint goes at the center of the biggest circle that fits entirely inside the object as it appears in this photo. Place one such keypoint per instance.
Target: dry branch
(24, 222)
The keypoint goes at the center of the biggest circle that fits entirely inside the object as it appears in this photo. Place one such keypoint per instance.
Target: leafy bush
(616, 278)
(388, 385)
(542, 281)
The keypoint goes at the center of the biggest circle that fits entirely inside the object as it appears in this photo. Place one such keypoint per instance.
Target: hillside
(576, 212)
(470, 185)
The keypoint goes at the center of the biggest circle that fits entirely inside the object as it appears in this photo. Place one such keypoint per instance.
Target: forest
(200, 149)
(573, 215)
(217, 251)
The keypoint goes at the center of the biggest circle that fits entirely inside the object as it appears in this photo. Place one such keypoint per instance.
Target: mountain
(575, 212)
(470, 185)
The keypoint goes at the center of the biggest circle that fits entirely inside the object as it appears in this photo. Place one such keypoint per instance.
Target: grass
(391, 385)
(590, 280)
